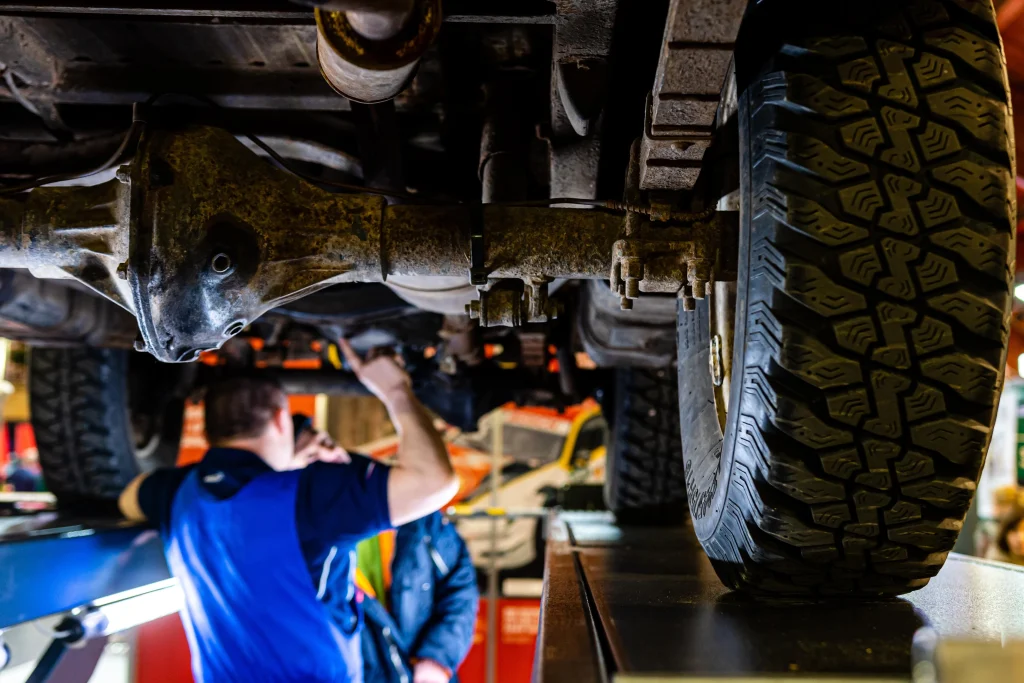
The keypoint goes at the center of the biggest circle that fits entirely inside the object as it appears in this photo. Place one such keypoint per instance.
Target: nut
(632, 268)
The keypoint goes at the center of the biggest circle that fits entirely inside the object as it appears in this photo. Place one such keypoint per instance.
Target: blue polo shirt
(336, 506)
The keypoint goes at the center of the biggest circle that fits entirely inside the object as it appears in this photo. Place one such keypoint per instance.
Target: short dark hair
(241, 407)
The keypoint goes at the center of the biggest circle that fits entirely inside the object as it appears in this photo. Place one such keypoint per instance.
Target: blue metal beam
(61, 565)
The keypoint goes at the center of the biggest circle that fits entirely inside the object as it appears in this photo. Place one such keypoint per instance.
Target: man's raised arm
(422, 478)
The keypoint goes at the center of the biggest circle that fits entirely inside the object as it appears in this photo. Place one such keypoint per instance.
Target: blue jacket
(434, 599)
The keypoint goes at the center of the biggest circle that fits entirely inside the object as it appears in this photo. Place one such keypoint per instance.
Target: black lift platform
(626, 604)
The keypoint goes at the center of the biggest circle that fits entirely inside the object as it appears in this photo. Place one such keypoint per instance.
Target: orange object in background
(193, 435)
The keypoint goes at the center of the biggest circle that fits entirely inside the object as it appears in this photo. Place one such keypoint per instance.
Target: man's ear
(282, 420)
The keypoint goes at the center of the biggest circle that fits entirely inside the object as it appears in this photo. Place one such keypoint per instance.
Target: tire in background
(644, 481)
(876, 254)
(83, 403)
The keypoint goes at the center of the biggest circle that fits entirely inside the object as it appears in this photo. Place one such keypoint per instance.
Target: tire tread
(878, 294)
(646, 484)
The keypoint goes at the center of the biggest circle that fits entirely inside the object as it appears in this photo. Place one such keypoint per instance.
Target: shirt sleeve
(343, 504)
(156, 494)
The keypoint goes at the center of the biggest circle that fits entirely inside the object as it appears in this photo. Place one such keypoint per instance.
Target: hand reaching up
(382, 374)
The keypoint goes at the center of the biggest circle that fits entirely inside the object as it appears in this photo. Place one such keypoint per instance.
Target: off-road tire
(876, 269)
(83, 428)
(644, 482)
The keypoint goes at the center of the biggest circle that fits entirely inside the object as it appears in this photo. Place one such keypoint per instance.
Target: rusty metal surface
(663, 611)
(199, 237)
(278, 11)
(667, 260)
(511, 303)
(116, 59)
(668, 252)
(373, 70)
(63, 232)
(120, 60)
(205, 237)
(201, 193)
(582, 48)
(695, 60)
(505, 141)
(521, 241)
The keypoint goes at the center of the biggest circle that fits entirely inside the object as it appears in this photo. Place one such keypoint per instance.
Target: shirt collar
(231, 464)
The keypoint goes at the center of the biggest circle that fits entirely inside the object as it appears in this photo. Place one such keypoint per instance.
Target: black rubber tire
(877, 243)
(644, 481)
(83, 423)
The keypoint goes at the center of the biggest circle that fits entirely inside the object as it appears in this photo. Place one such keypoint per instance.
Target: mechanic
(262, 544)
(420, 601)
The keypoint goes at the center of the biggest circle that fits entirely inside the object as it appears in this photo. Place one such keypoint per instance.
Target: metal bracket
(507, 305)
(477, 249)
(678, 259)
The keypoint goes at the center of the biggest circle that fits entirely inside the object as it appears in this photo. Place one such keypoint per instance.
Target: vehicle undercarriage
(804, 213)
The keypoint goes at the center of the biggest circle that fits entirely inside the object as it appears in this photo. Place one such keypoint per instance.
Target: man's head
(251, 413)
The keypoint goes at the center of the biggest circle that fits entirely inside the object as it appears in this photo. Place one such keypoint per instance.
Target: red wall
(161, 652)
(162, 656)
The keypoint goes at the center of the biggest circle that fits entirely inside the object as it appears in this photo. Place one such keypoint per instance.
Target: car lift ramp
(631, 604)
(103, 576)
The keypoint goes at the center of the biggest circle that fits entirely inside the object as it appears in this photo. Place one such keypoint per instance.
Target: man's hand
(381, 374)
(429, 671)
(313, 445)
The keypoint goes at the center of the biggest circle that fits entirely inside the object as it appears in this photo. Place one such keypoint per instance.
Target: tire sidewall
(708, 453)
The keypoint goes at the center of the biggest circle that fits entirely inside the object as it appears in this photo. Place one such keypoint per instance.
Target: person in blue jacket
(261, 534)
(420, 602)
